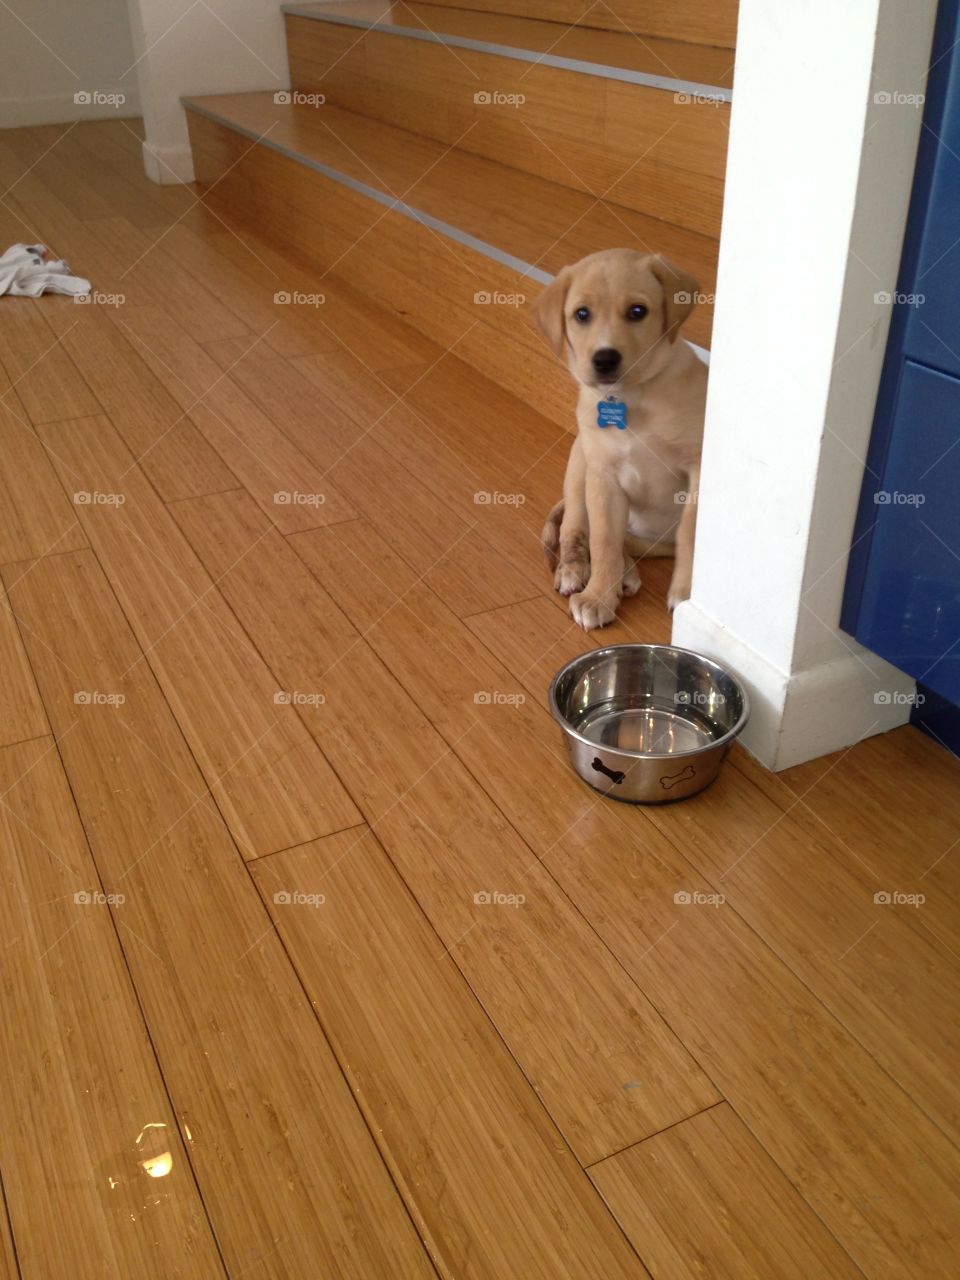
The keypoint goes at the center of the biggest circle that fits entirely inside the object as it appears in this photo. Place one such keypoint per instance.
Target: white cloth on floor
(27, 270)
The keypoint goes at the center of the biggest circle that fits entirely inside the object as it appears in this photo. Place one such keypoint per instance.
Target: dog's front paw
(589, 611)
(571, 576)
(679, 590)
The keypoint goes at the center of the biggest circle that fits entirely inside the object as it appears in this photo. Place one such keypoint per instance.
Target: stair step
(709, 22)
(613, 115)
(521, 221)
(426, 230)
(614, 55)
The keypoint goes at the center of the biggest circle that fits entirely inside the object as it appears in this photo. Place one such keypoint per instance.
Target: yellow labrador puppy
(633, 474)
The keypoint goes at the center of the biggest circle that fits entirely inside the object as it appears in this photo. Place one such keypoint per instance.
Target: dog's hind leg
(573, 567)
(550, 537)
(573, 571)
(631, 578)
(566, 554)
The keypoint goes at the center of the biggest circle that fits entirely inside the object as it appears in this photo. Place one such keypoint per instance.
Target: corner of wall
(168, 166)
(803, 714)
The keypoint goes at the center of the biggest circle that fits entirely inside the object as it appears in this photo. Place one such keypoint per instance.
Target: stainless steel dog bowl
(647, 723)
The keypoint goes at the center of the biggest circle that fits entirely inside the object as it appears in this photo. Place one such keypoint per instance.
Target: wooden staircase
(448, 161)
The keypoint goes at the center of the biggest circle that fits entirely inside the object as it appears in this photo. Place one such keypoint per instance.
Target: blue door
(902, 596)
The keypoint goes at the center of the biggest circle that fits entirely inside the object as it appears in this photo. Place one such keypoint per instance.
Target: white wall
(52, 50)
(191, 47)
(817, 190)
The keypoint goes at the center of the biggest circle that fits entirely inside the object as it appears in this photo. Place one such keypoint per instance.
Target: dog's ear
(679, 294)
(548, 309)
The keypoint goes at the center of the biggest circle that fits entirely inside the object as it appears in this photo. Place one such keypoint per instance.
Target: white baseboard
(798, 717)
(168, 166)
(62, 108)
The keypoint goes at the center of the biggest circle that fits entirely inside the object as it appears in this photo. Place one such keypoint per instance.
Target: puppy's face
(615, 315)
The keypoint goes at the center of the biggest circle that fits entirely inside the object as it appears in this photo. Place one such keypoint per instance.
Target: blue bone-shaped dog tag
(612, 413)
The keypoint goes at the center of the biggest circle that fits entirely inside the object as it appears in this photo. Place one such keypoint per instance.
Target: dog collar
(612, 412)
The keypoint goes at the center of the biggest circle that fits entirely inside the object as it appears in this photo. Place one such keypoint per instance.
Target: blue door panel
(910, 606)
(902, 596)
(930, 295)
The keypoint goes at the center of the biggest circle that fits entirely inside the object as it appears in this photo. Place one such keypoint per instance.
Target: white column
(818, 184)
(193, 47)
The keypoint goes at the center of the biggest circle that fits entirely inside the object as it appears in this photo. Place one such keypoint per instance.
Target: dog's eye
(582, 315)
(636, 312)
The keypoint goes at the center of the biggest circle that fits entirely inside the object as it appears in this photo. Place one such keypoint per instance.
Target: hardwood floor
(318, 960)
(83, 1101)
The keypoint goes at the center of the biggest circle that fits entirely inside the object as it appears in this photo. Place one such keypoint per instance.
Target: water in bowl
(654, 730)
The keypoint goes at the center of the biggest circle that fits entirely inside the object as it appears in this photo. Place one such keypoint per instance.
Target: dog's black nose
(606, 360)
